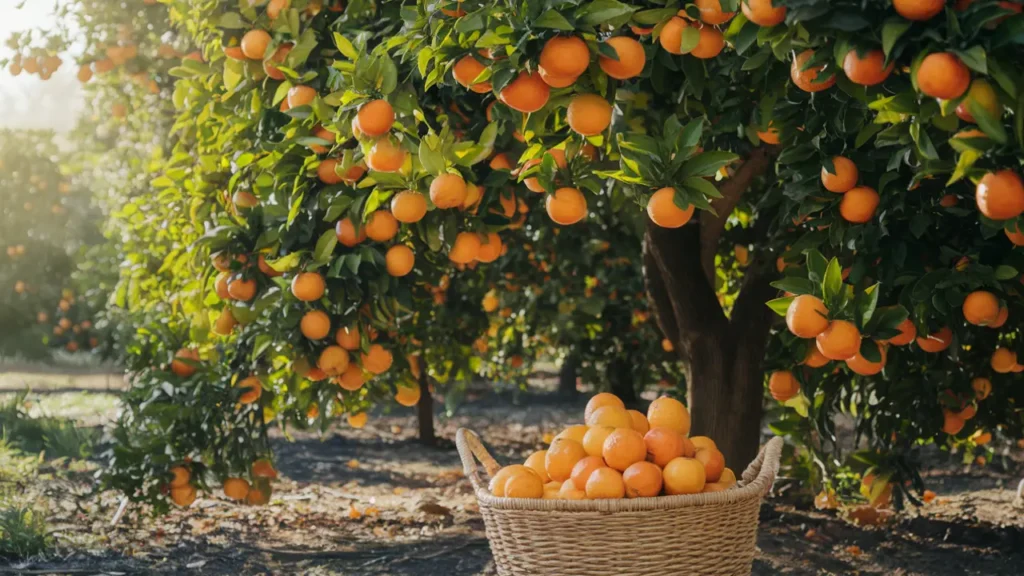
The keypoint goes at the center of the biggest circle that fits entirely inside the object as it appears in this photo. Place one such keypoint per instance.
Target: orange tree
(46, 222)
(771, 147)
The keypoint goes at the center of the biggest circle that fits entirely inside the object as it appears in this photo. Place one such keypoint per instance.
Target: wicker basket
(713, 533)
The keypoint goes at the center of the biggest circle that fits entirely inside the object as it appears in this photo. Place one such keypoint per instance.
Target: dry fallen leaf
(353, 513)
(854, 550)
(353, 463)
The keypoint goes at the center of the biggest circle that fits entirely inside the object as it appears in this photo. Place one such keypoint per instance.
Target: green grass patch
(52, 436)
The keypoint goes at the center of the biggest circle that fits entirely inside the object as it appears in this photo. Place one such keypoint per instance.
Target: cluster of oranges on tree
(620, 453)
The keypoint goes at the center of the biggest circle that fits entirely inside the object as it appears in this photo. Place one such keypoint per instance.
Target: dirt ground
(374, 501)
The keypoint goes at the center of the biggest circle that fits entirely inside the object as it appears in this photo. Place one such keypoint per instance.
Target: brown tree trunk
(567, 375)
(620, 377)
(722, 355)
(425, 411)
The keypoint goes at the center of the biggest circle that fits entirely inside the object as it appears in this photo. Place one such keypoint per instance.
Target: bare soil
(374, 501)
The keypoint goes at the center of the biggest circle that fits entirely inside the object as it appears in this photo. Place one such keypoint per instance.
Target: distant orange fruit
(1000, 195)
(242, 289)
(382, 226)
(807, 316)
(811, 79)
(263, 468)
(376, 118)
(466, 71)
(631, 58)
(918, 9)
(308, 286)
(663, 210)
(252, 390)
(183, 496)
(300, 96)
(840, 341)
(711, 12)
(377, 360)
(315, 325)
(179, 476)
(907, 334)
(868, 69)
(814, 358)
(345, 230)
(1003, 360)
(943, 75)
(254, 44)
(981, 308)
(671, 38)
(859, 205)
(357, 420)
(762, 13)
(565, 56)
(385, 156)
(861, 365)
(709, 44)
(843, 179)
(936, 342)
(409, 206)
(327, 172)
(783, 385)
(951, 423)
(566, 206)
(981, 95)
(982, 388)
(642, 480)
(270, 64)
(589, 114)
(465, 248)
(527, 93)
(490, 247)
(348, 338)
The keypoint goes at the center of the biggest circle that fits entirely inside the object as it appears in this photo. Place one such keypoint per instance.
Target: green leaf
(345, 47)
(1005, 272)
(285, 263)
(232, 20)
(974, 58)
(794, 284)
(892, 30)
(780, 305)
(708, 163)
(325, 245)
(816, 266)
(866, 306)
(553, 19)
(832, 285)
(610, 12)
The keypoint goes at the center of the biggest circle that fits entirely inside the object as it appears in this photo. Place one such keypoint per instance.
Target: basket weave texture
(713, 533)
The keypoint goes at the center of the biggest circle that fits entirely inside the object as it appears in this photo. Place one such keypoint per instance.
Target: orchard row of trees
(357, 201)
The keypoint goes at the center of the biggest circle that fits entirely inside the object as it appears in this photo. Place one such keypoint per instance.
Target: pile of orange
(620, 453)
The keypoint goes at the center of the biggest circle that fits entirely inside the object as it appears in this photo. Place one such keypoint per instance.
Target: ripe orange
(399, 260)
(84, 73)
(275, 7)
(375, 118)
(562, 456)
(323, 134)
(981, 308)
(1003, 360)
(982, 95)
(270, 64)
(308, 286)
(243, 289)
(583, 469)
(593, 440)
(951, 423)
(266, 269)
(409, 206)
(565, 56)
(770, 135)
(631, 58)
(640, 423)
(566, 206)
(466, 71)
(840, 341)
(713, 461)
(936, 342)
(555, 81)
(642, 480)
(861, 365)
(315, 325)
(352, 378)
(605, 483)
(327, 172)
(345, 230)
(982, 388)
(663, 445)
(377, 360)
(783, 385)
(500, 161)
(683, 476)
(859, 204)
(497, 484)
(671, 38)
(918, 9)
(1016, 237)
(183, 496)
(382, 226)
(184, 363)
(252, 390)
(611, 416)
(385, 156)
(465, 248)
(225, 322)
(762, 13)
(623, 447)
(527, 93)
(263, 468)
(907, 334)
(490, 247)
(589, 114)
(868, 69)
(728, 477)
(1001, 318)
(408, 395)
(300, 96)
(179, 476)
(254, 44)
(709, 44)
(1000, 195)
(942, 75)
(711, 12)
(599, 400)
(807, 316)
(524, 485)
(448, 191)
(357, 420)
(536, 462)
(844, 178)
(348, 338)
(814, 358)
(669, 413)
(811, 79)
(663, 210)
(569, 491)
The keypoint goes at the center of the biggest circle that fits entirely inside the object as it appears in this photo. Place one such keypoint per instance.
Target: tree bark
(722, 355)
(567, 375)
(620, 377)
(425, 411)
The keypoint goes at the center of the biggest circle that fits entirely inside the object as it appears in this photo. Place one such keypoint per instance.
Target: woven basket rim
(756, 481)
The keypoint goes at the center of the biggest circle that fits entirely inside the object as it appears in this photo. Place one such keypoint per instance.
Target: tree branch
(732, 189)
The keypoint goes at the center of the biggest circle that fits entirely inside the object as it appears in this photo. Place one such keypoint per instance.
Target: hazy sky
(26, 101)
